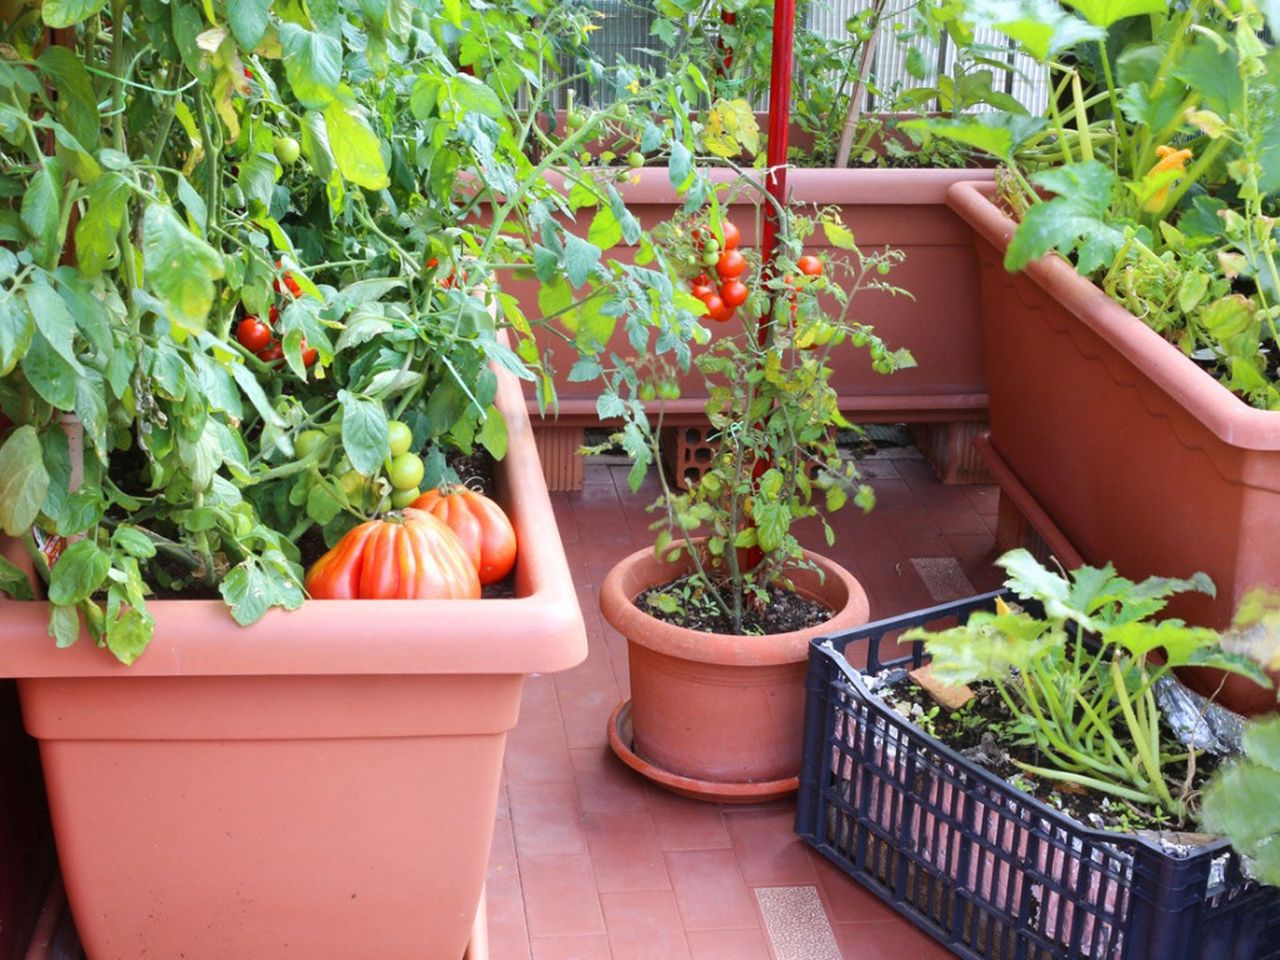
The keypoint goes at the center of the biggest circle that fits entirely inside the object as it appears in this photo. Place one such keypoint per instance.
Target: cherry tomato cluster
(405, 468)
(257, 337)
(724, 293)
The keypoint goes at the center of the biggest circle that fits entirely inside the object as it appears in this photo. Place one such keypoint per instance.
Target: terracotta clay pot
(1137, 455)
(712, 715)
(904, 209)
(321, 784)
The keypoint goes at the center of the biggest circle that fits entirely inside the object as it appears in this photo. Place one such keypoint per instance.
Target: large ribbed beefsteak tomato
(406, 556)
(480, 524)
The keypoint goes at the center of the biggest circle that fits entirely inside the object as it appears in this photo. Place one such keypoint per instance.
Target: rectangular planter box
(321, 784)
(904, 209)
(1137, 455)
(988, 871)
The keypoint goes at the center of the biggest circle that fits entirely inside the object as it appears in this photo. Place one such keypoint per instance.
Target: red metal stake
(784, 33)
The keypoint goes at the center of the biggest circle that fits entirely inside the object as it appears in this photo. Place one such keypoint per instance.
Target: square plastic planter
(988, 871)
(319, 785)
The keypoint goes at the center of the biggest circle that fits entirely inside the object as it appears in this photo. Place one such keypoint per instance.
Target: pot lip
(539, 631)
(1220, 411)
(617, 603)
(912, 186)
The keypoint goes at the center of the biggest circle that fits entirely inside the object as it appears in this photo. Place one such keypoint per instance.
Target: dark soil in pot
(987, 733)
(684, 603)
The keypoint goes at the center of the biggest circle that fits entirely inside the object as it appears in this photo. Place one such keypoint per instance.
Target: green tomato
(308, 442)
(648, 391)
(585, 158)
(399, 437)
(712, 245)
(287, 150)
(406, 471)
(669, 390)
(574, 120)
(402, 498)
(635, 159)
(710, 258)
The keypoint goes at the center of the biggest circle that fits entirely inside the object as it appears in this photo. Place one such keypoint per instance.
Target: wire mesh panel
(986, 869)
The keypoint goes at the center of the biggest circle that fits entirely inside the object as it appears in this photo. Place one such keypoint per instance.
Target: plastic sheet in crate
(985, 868)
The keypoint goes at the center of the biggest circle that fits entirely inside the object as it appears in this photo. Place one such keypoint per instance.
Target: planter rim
(1219, 410)
(617, 603)
(540, 631)
(917, 186)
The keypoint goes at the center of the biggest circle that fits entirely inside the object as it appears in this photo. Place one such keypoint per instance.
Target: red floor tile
(728, 945)
(605, 784)
(684, 824)
(560, 896)
(768, 851)
(537, 752)
(644, 925)
(545, 819)
(570, 948)
(624, 852)
(586, 708)
(710, 890)
(892, 940)
(539, 701)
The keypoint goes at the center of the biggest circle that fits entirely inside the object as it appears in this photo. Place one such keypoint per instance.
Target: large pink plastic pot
(1137, 455)
(321, 784)
(904, 209)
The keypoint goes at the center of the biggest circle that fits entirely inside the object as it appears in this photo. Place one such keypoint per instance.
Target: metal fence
(626, 32)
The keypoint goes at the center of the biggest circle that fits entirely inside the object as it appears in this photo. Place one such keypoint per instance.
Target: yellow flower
(591, 27)
(634, 86)
(1171, 161)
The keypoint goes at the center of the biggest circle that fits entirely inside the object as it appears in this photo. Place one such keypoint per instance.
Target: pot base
(620, 740)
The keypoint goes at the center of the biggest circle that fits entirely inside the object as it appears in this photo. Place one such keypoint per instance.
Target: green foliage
(1088, 707)
(1241, 801)
(178, 168)
(1158, 155)
(773, 415)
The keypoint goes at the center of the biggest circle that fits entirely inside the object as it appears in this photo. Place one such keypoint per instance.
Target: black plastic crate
(987, 870)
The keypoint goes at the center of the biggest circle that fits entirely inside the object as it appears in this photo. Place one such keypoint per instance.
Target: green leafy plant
(771, 410)
(1082, 675)
(1153, 169)
(241, 241)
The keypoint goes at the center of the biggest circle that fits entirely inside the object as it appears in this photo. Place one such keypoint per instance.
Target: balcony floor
(591, 861)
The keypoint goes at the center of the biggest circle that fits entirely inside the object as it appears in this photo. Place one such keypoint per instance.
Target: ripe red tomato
(309, 354)
(273, 314)
(271, 353)
(290, 283)
(810, 265)
(483, 529)
(410, 557)
(731, 264)
(253, 334)
(734, 293)
(702, 290)
(731, 234)
(716, 308)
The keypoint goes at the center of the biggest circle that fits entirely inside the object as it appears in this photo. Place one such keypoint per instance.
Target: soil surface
(685, 604)
(985, 732)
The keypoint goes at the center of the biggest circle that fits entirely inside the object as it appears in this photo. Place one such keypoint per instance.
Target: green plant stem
(1117, 119)
(1141, 738)
(1082, 117)
(1086, 781)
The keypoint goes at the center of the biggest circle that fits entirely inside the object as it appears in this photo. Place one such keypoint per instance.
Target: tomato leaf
(355, 147)
(580, 257)
(24, 482)
(67, 13)
(78, 573)
(129, 634)
(54, 321)
(364, 432)
(181, 268)
(248, 20)
(16, 327)
(312, 65)
(13, 582)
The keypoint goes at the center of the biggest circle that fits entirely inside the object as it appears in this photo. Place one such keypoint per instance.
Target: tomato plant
(174, 169)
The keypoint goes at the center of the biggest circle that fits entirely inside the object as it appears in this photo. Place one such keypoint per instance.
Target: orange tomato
(480, 525)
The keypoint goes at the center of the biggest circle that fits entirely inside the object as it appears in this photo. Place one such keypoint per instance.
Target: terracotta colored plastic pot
(717, 715)
(904, 209)
(1136, 454)
(321, 784)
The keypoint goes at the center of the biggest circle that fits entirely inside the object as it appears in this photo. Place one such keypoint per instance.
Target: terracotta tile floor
(591, 861)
